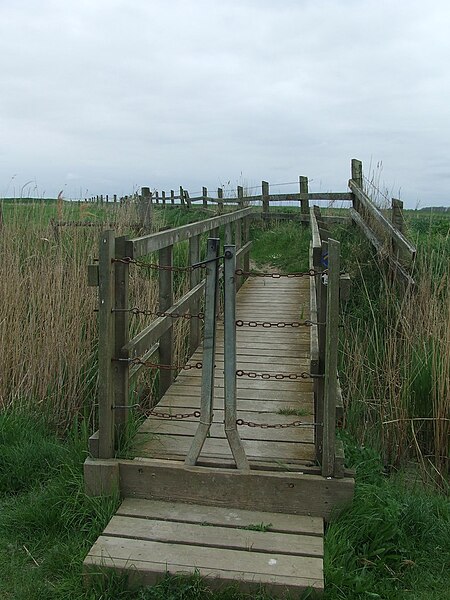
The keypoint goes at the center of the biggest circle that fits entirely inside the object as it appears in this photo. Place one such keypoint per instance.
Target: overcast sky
(104, 96)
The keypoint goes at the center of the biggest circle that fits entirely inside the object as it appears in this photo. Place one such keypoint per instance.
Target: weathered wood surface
(151, 538)
(259, 350)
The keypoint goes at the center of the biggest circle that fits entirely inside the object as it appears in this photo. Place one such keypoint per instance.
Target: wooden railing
(116, 350)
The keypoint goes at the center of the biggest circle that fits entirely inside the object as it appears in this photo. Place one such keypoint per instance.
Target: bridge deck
(259, 350)
(213, 519)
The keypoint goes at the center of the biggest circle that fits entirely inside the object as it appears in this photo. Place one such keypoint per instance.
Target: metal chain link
(152, 365)
(280, 324)
(241, 422)
(310, 273)
(131, 261)
(140, 311)
(166, 415)
(292, 376)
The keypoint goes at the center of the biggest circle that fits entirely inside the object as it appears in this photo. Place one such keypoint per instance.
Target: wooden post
(240, 195)
(205, 197)
(187, 199)
(398, 220)
(265, 198)
(165, 302)
(181, 195)
(172, 196)
(156, 196)
(145, 208)
(246, 231)
(238, 242)
(194, 276)
(219, 201)
(304, 203)
(331, 359)
(209, 351)
(320, 263)
(163, 196)
(357, 176)
(121, 335)
(115, 198)
(230, 359)
(106, 342)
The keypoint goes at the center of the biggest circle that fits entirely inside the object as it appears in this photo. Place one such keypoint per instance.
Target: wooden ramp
(260, 401)
(180, 519)
(149, 539)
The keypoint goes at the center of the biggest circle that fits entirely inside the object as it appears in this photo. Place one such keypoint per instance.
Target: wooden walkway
(230, 541)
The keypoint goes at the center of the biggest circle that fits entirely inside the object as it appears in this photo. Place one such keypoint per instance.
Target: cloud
(162, 94)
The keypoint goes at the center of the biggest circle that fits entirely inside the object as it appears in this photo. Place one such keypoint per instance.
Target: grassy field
(392, 543)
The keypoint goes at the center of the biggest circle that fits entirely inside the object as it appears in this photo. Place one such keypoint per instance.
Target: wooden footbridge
(237, 465)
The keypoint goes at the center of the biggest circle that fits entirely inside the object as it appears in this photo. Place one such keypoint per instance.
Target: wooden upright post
(304, 202)
(194, 330)
(219, 201)
(357, 172)
(121, 334)
(165, 301)
(265, 198)
(163, 196)
(106, 344)
(172, 196)
(331, 359)
(181, 195)
(145, 209)
(240, 195)
(238, 242)
(205, 197)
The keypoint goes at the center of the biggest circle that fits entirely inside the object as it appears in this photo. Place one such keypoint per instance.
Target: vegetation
(392, 543)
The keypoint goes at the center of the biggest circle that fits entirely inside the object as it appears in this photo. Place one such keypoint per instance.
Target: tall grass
(396, 360)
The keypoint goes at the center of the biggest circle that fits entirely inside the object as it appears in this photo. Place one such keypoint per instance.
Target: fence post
(238, 242)
(187, 199)
(181, 195)
(165, 302)
(219, 201)
(230, 359)
(265, 198)
(145, 208)
(121, 335)
(106, 280)
(163, 195)
(205, 197)
(194, 276)
(246, 232)
(304, 202)
(357, 176)
(156, 196)
(321, 289)
(240, 195)
(331, 358)
(172, 196)
(209, 350)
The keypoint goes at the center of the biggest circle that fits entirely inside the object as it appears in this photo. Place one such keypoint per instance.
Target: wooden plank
(196, 513)
(161, 446)
(401, 242)
(331, 359)
(106, 344)
(276, 492)
(214, 536)
(151, 561)
(151, 243)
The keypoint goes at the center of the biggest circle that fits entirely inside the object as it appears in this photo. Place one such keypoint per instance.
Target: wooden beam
(151, 243)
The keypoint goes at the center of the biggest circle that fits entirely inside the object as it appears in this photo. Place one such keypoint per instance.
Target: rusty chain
(158, 313)
(131, 261)
(280, 324)
(309, 273)
(278, 376)
(152, 365)
(241, 422)
(166, 415)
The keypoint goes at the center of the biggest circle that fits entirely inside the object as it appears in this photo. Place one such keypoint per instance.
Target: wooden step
(148, 539)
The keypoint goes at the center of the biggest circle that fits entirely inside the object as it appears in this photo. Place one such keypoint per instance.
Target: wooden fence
(116, 349)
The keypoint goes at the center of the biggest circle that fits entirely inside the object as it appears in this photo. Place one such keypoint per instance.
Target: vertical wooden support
(265, 198)
(157, 197)
(398, 220)
(165, 302)
(304, 202)
(181, 195)
(194, 330)
(321, 288)
(145, 208)
(240, 195)
(219, 201)
(246, 261)
(209, 351)
(121, 334)
(187, 199)
(205, 197)
(238, 242)
(106, 282)
(230, 359)
(357, 176)
(227, 234)
(172, 196)
(331, 358)
(163, 197)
